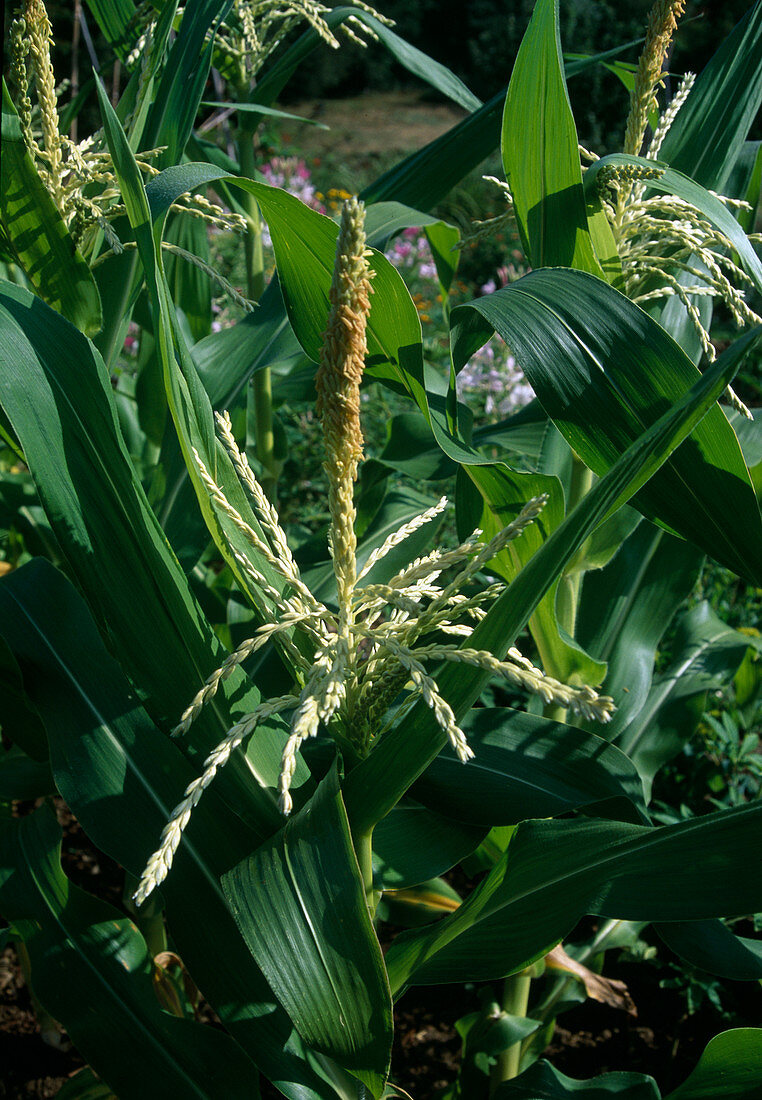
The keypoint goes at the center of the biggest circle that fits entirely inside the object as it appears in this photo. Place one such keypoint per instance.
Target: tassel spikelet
(666, 245)
(80, 177)
(40, 38)
(662, 24)
(255, 28)
(371, 649)
(337, 382)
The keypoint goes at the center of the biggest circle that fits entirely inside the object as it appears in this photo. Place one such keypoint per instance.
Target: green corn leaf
(269, 112)
(711, 946)
(92, 971)
(57, 394)
(309, 929)
(121, 777)
(541, 160)
(181, 85)
(412, 845)
(37, 234)
(555, 871)
(19, 722)
(23, 778)
(543, 1082)
(706, 654)
(425, 177)
(526, 766)
(190, 288)
(625, 609)
(113, 17)
(604, 371)
(729, 1069)
(188, 401)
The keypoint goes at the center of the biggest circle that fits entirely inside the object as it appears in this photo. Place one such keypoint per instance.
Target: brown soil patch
(384, 122)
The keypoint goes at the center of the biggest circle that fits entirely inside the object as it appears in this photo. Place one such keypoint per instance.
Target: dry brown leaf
(606, 990)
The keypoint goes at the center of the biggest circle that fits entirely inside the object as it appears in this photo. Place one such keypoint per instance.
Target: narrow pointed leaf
(526, 766)
(556, 871)
(712, 946)
(58, 396)
(625, 609)
(544, 1082)
(93, 972)
(541, 160)
(414, 60)
(707, 652)
(122, 777)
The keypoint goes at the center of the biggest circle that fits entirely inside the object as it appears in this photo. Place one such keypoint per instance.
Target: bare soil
(380, 122)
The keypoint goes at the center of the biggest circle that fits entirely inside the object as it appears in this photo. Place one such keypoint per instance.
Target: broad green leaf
(23, 778)
(188, 401)
(541, 159)
(625, 609)
(93, 972)
(706, 137)
(37, 234)
(18, 720)
(121, 777)
(707, 653)
(402, 755)
(309, 929)
(712, 946)
(411, 449)
(526, 766)
(556, 871)
(425, 177)
(729, 1069)
(57, 393)
(543, 1082)
(181, 85)
(604, 371)
(413, 844)
(305, 244)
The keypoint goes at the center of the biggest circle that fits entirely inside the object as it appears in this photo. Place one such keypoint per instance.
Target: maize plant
(289, 744)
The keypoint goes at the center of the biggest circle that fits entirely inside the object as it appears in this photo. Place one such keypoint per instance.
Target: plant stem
(255, 285)
(363, 844)
(567, 600)
(567, 596)
(515, 1002)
